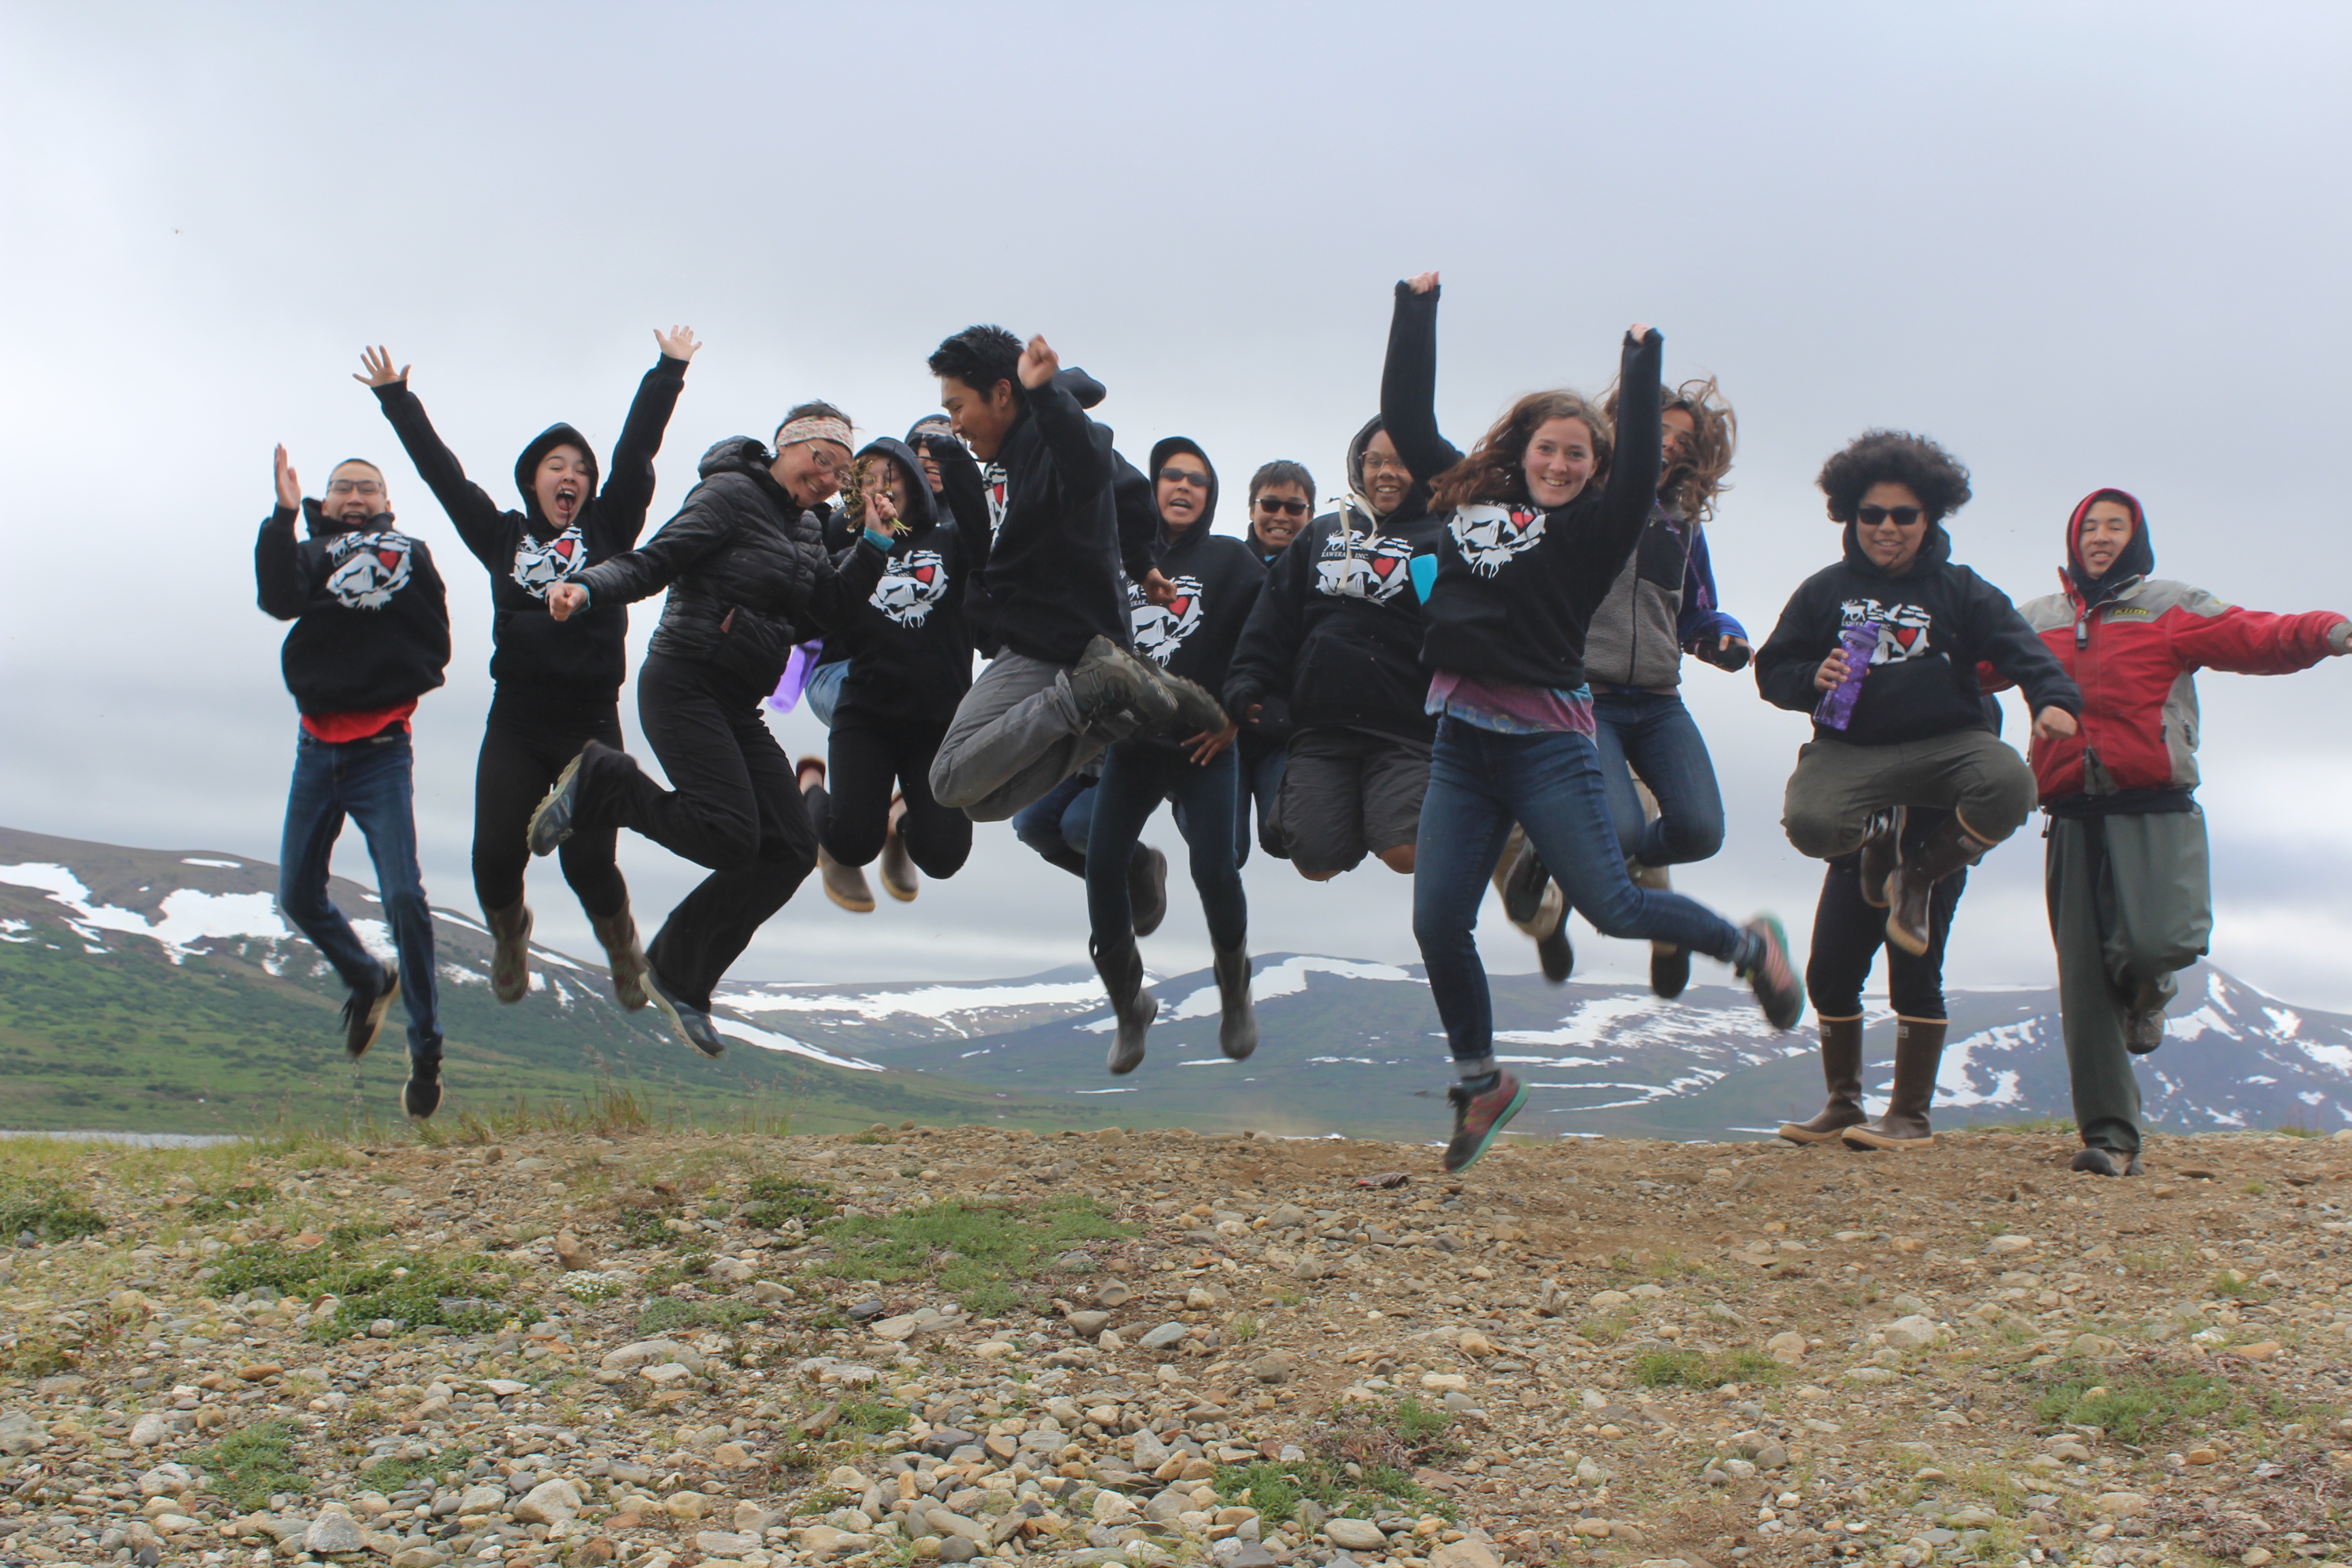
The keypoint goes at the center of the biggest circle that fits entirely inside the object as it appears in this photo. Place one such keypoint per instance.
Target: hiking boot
(1121, 968)
(1111, 681)
(421, 1095)
(511, 957)
(558, 815)
(1146, 888)
(809, 772)
(897, 867)
(1951, 848)
(1522, 880)
(363, 1015)
(845, 885)
(623, 956)
(1669, 969)
(1770, 976)
(1842, 1068)
(1918, 1051)
(1197, 712)
(1882, 849)
(1237, 1022)
(2101, 1161)
(689, 1023)
(1556, 953)
(2144, 1030)
(1478, 1118)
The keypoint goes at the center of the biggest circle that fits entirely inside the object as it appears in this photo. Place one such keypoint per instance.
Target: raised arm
(1632, 488)
(469, 507)
(276, 560)
(1408, 381)
(2210, 635)
(629, 488)
(1082, 464)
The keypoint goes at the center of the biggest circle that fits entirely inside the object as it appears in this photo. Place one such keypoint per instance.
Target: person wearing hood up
(1916, 734)
(1331, 657)
(371, 636)
(907, 653)
(1215, 580)
(2127, 876)
(556, 685)
(748, 575)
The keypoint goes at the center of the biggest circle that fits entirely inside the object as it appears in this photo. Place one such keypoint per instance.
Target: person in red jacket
(2126, 876)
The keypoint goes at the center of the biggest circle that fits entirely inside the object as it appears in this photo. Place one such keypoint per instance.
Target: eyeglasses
(834, 467)
(1872, 516)
(1376, 462)
(1183, 477)
(1287, 508)
(353, 488)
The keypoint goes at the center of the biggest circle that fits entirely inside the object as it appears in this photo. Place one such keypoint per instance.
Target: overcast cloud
(2081, 245)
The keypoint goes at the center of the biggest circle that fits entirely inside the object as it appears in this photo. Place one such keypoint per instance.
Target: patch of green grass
(415, 1293)
(247, 1467)
(647, 1226)
(2135, 1403)
(50, 1213)
(207, 1207)
(662, 1317)
(871, 1138)
(1608, 1328)
(2230, 1282)
(978, 1254)
(389, 1476)
(2255, 1189)
(771, 1201)
(873, 1416)
(1689, 1369)
(1277, 1490)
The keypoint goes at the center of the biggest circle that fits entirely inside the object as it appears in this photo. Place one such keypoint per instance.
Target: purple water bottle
(1836, 707)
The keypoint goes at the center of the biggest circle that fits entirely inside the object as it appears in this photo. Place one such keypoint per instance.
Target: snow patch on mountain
(188, 916)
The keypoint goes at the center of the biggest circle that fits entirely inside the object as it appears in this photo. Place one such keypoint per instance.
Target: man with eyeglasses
(371, 637)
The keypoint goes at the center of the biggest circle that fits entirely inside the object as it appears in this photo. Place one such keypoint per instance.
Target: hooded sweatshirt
(1217, 578)
(1334, 641)
(2133, 643)
(908, 643)
(371, 618)
(578, 662)
(1937, 623)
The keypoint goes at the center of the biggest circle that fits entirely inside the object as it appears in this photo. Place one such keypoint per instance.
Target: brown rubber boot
(510, 959)
(1918, 1052)
(899, 877)
(1842, 1068)
(623, 956)
(1949, 848)
(1881, 852)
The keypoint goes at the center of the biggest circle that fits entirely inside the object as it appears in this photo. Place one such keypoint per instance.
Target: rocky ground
(658, 1350)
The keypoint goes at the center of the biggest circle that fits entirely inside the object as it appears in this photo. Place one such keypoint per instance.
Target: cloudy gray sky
(2082, 244)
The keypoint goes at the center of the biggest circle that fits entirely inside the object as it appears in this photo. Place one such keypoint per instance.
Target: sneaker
(552, 822)
(1523, 886)
(363, 1016)
(845, 885)
(1778, 989)
(689, 1023)
(1146, 888)
(2144, 1030)
(2101, 1161)
(1557, 954)
(421, 1095)
(1108, 679)
(1478, 1118)
(1669, 969)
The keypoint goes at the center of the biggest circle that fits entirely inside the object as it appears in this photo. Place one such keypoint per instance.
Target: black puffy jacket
(746, 569)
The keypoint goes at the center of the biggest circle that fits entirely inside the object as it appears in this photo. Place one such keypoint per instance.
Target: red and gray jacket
(2133, 643)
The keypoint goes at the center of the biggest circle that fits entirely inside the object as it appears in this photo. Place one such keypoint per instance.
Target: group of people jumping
(1467, 669)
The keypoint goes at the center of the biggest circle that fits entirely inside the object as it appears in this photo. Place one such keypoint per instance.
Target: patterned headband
(814, 427)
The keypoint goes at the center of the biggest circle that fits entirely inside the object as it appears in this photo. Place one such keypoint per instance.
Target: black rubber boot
(1913, 882)
(1146, 888)
(1237, 1028)
(1918, 1052)
(511, 958)
(1121, 968)
(1842, 1070)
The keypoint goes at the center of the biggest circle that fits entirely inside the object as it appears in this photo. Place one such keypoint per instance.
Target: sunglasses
(352, 487)
(1289, 508)
(1183, 477)
(1872, 516)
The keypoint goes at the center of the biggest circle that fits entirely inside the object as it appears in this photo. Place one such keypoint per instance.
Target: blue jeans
(1480, 782)
(1655, 733)
(1055, 825)
(823, 692)
(1137, 776)
(1262, 768)
(368, 782)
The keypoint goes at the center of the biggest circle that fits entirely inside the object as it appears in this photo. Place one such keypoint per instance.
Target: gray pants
(1836, 787)
(1016, 734)
(2131, 902)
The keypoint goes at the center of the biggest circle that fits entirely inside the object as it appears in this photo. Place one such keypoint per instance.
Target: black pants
(736, 809)
(526, 743)
(1848, 933)
(868, 761)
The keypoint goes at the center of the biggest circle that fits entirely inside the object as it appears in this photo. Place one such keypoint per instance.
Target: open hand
(2053, 724)
(1209, 742)
(1422, 283)
(565, 598)
(290, 488)
(1038, 363)
(676, 343)
(378, 370)
(1833, 669)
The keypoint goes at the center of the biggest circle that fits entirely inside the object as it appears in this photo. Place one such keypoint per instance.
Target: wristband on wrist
(881, 540)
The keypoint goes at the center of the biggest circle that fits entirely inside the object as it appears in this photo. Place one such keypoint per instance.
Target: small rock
(895, 1330)
(1870, 1374)
(504, 1388)
(549, 1502)
(1109, 1340)
(1274, 1366)
(1596, 1528)
(152, 1428)
(1444, 1381)
(686, 1507)
(825, 1541)
(1356, 1534)
(2261, 1350)
(1912, 1333)
(724, 1544)
(1165, 1335)
(1086, 1325)
(2255, 1556)
(2001, 1244)
(482, 1500)
(2095, 1347)
(1116, 1293)
(333, 1533)
(1610, 1300)
(2123, 1505)
(1113, 1508)
(731, 1456)
(1788, 1347)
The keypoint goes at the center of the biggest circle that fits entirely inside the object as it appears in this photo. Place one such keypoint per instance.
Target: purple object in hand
(1836, 707)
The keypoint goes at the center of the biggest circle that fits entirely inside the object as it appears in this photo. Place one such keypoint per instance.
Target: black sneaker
(1669, 969)
(1556, 953)
(421, 1095)
(1478, 1118)
(689, 1023)
(363, 1016)
(2144, 1030)
(553, 821)
(2101, 1161)
(1146, 888)
(1523, 886)
(1778, 989)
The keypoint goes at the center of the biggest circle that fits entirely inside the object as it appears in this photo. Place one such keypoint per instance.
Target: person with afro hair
(1917, 734)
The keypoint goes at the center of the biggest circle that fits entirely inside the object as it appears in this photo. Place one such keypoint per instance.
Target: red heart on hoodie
(923, 573)
(391, 559)
(1177, 607)
(1385, 565)
(1907, 636)
(564, 547)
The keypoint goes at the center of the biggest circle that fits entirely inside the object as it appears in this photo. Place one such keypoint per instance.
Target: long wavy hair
(1494, 470)
(1689, 489)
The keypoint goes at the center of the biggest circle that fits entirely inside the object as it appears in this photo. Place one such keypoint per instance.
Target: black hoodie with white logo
(584, 659)
(371, 618)
(1216, 578)
(909, 644)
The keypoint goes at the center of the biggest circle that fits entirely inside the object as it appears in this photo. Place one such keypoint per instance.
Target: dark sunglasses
(1183, 477)
(1872, 516)
(1289, 508)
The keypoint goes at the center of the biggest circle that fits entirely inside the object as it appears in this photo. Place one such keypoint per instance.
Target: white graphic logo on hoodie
(910, 585)
(367, 569)
(541, 563)
(1160, 629)
(1491, 537)
(1353, 566)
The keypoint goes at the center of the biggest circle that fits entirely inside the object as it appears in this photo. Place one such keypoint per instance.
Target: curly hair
(1493, 471)
(1689, 488)
(1894, 458)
